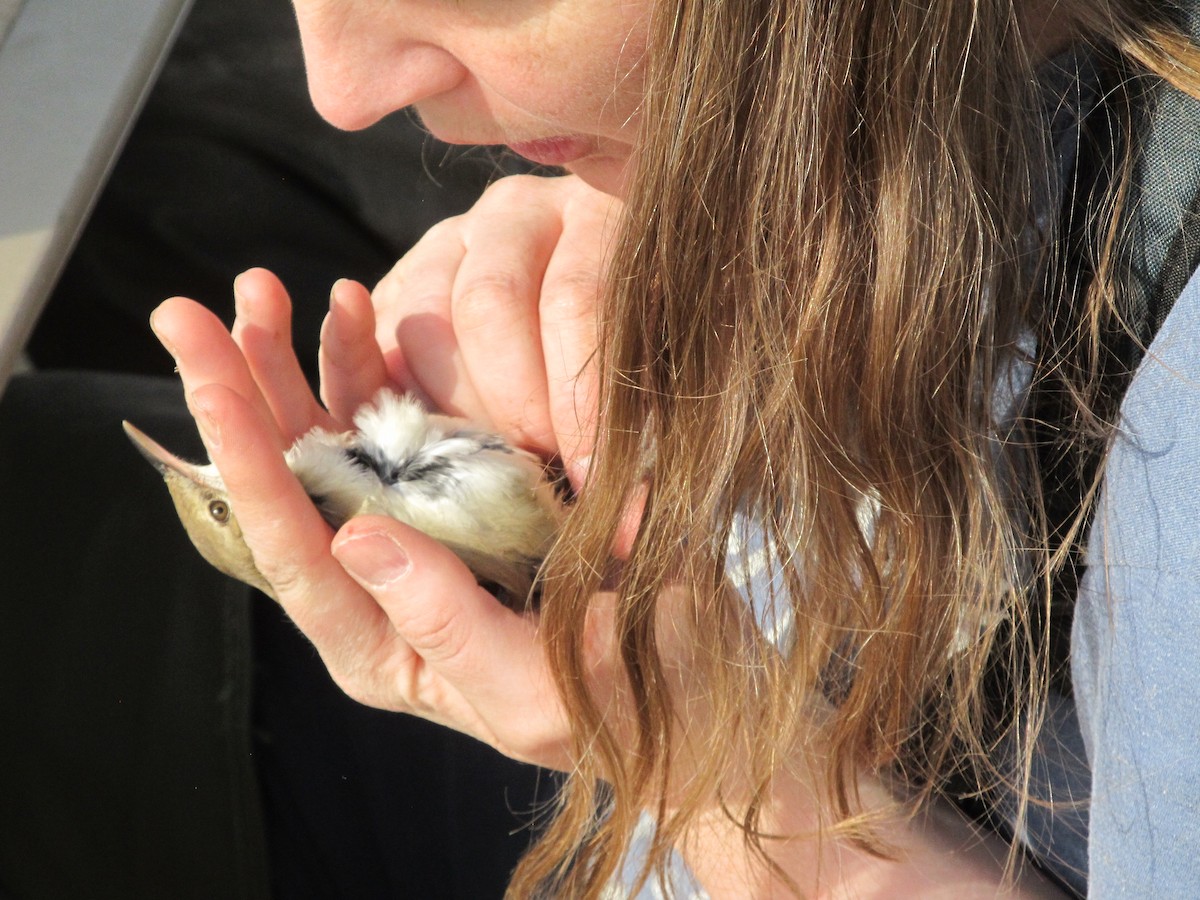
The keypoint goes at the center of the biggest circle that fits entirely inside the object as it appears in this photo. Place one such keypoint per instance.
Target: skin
(389, 648)
(481, 72)
(510, 287)
(401, 624)
(490, 316)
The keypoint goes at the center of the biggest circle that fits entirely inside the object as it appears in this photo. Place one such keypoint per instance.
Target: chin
(604, 173)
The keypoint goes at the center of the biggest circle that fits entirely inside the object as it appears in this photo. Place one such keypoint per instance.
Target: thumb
(487, 653)
(428, 594)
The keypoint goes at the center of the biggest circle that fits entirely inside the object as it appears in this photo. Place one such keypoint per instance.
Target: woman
(776, 328)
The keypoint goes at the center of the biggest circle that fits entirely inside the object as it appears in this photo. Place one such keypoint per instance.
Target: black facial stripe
(363, 458)
(428, 470)
(415, 468)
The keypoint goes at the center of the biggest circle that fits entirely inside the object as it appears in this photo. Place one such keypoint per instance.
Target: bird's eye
(219, 510)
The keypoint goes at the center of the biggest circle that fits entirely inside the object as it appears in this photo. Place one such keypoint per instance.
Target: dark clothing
(167, 732)
(125, 765)
(229, 167)
(157, 715)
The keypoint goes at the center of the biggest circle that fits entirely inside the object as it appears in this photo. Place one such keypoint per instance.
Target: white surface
(73, 74)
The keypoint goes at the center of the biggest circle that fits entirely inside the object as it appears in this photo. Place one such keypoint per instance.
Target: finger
(510, 239)
(205, 353)
(568, 311)
(412, 312)
(351, 364)
(630, 522)
(286, 534)
(263, 330)
(475, 651)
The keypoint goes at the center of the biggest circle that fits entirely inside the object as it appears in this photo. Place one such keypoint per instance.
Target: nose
(365, 59)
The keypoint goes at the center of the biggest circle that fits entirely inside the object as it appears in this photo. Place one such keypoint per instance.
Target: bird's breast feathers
(491, 503)
(442, 475)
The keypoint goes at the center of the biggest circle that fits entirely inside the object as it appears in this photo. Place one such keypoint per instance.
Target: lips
(555, 151)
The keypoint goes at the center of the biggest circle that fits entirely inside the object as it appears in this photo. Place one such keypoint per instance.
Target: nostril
(365, 61)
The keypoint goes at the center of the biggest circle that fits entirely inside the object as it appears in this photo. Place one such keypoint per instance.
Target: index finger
(205, 352)
(288, 538)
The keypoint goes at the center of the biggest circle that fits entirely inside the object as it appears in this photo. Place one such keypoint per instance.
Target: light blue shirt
(1136, 637)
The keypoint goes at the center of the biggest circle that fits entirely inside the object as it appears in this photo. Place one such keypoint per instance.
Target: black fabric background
(165, 732)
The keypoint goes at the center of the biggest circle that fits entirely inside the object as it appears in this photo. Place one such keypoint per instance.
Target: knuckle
(434, 633)
(286, 577)
(481, 301)
(409, 296)
(571, 296)
(442, 237)
(424, 300)
(283, 562)
(446, 229)
(579, 199)
(287, 571)
(533, 435)
(511, 188)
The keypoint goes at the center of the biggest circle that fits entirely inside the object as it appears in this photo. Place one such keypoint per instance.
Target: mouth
(555, 151)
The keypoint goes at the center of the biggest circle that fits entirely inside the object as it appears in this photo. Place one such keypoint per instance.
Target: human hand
(401, 624)
(492, 315)
(397, 618)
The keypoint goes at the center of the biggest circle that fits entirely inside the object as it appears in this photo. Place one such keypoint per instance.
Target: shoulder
(1152, 475)
(1136, 640)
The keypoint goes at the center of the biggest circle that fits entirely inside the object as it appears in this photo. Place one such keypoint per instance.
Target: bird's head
(203, 506)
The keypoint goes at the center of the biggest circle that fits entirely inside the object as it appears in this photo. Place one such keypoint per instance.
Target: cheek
(581, 64)
(596, 88)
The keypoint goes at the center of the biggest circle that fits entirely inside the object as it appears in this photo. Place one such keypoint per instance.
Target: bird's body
(492, 504)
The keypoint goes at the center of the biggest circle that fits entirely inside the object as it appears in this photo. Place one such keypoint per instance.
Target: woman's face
(558, 81)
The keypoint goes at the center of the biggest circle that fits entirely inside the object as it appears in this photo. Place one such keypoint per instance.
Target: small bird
(494, 505)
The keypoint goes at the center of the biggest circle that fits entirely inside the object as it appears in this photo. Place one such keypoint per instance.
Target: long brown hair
(820, 290)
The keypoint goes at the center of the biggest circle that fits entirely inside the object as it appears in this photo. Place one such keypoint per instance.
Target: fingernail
(335, 302)
(239, 296)
(577, 471)
(337, 293)
(374, 559)
(167, 345)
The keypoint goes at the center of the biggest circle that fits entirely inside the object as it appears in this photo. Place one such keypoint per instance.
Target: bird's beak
(159, 456)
